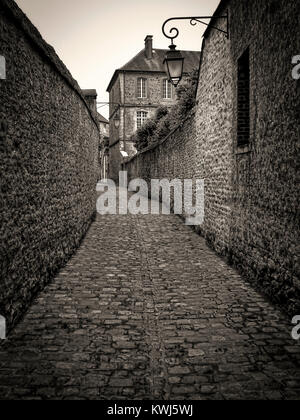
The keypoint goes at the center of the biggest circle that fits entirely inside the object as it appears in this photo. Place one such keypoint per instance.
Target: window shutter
(244, 99)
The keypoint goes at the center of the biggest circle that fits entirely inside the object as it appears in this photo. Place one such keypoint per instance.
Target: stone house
(104, 145)
(135, 92)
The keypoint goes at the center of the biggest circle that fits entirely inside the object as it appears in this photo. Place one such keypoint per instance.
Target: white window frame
(141, 118)
(167, 89)
(141, 88)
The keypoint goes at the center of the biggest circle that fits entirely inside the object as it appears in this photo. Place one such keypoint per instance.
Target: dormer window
(141, 87)
(167, 89)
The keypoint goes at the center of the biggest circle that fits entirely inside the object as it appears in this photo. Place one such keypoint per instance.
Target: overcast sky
(95, 37)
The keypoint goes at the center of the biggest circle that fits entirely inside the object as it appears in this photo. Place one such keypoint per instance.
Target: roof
(89, 92)
(102, 119)
(140, 63)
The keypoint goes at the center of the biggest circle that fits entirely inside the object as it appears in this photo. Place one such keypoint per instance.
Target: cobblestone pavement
(145, 310)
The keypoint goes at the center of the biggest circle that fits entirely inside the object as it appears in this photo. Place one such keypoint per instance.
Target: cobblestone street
(145, 310)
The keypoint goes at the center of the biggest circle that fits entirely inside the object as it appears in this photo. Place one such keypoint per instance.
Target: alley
(145, 310)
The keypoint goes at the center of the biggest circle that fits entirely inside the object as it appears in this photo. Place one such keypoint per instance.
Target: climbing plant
(167, 119)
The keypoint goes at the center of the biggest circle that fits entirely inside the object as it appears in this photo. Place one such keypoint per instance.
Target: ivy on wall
(167, 119)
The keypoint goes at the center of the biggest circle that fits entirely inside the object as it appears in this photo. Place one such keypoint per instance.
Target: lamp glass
(174, 65)
(117, 121)
(175, 70)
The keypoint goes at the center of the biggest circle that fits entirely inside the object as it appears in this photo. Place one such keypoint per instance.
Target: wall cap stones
(154, 146)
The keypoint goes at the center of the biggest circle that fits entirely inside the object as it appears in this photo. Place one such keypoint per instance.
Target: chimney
(91, 98)
(149, 47)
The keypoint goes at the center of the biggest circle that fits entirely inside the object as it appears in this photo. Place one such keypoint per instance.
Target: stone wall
(251, 189)
(48, 162)
(265, 221)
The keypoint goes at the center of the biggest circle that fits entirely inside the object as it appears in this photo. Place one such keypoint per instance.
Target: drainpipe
(124, 113)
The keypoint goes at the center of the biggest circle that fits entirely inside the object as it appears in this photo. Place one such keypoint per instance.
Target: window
(167, 89)
(141, 118)
(243, 100)
(141, 88)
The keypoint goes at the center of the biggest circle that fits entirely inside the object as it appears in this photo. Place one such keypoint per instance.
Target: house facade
(104, 145)
(135, 92)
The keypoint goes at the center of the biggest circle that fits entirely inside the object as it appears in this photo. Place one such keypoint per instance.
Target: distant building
(91, 98)
(104, 145)
(135, 92)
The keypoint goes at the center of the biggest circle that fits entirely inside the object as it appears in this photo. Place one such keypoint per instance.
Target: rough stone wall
(214, 137)
(48, 162)
(251, 191)
(265, 218)
(174, 157)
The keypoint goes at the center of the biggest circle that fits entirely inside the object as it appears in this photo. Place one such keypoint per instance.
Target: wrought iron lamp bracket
(194, 20)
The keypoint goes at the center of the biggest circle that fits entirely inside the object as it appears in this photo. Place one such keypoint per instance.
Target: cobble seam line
(158, 384)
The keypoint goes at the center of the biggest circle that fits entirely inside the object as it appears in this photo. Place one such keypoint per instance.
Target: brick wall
(251, 188)
(48, 162)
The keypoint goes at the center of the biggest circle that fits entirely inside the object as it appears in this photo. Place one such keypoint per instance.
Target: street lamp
(174, 60)
(173, 63)
(117, 120)
(115, 117)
